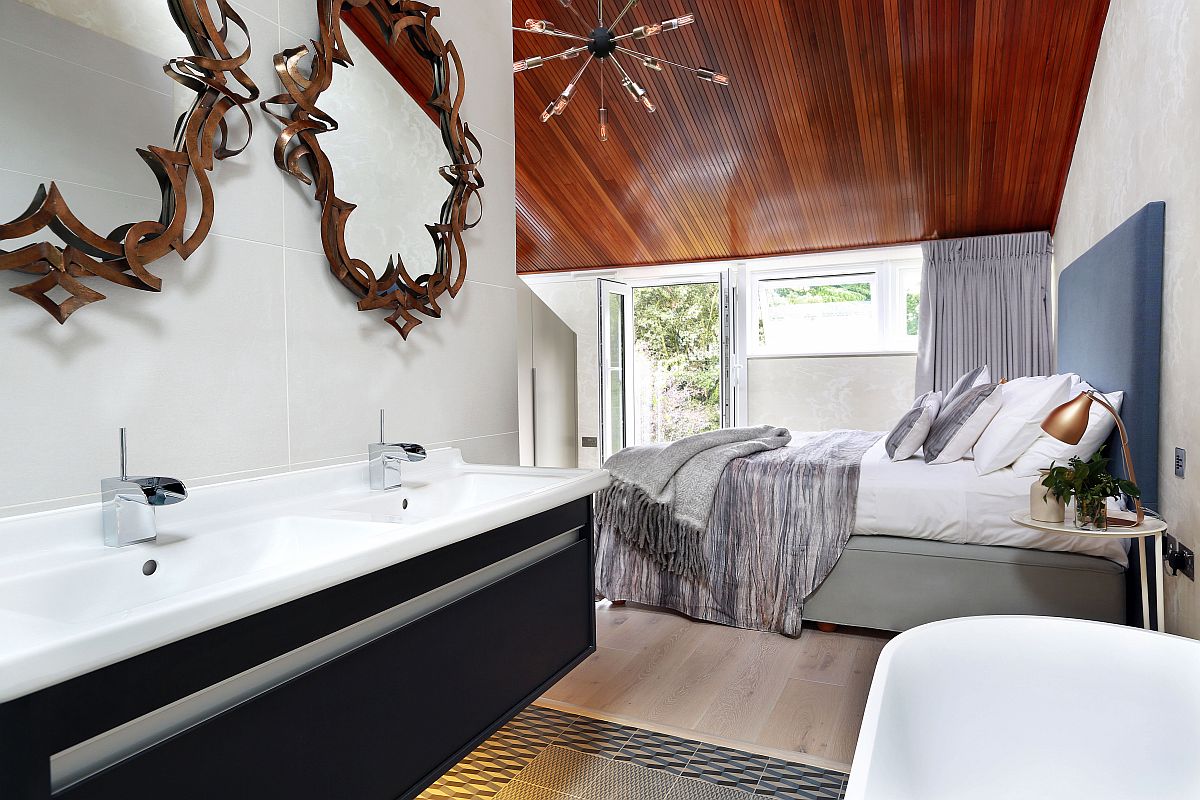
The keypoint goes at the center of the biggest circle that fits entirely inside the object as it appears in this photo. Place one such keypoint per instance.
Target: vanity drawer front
(382, 720)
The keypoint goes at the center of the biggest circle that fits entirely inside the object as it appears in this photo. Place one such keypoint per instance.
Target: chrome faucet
(128, 504)
(384, 460)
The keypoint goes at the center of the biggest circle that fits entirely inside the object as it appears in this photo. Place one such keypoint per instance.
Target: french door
(616, 367)
(667, 359)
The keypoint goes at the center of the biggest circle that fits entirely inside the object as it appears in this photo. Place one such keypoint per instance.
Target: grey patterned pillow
(910, 432)
(961, 423)
(976, 377)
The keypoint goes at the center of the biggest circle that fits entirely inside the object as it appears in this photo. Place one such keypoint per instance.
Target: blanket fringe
(633, 516)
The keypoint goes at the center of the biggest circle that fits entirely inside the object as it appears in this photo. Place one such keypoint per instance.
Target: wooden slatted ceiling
(849, 123)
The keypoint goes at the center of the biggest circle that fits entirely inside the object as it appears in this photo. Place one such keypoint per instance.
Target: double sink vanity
(300, 636)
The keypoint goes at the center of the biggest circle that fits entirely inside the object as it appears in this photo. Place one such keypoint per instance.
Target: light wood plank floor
(760, 691)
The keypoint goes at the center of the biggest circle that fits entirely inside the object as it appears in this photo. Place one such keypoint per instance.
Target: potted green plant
(1089, 484)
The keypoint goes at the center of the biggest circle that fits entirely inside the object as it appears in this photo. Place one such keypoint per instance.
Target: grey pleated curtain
(984, 300)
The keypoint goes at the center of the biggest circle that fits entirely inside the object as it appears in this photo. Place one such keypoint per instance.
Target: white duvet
(951, 503)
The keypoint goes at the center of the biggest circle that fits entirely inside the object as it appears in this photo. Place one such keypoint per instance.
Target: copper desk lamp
(1068, 422)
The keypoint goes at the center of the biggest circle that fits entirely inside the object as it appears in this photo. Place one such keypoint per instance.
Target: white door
(616, 367)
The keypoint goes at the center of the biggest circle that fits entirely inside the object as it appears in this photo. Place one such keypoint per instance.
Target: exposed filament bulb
(712, 76)
(678, 22)
(533, 62)
(539, 25)
(603, 124)
(549, 112)
(638, 93)
(650, 62)
(644, 31)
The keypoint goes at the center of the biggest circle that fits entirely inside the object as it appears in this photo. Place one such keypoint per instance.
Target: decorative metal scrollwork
(297, 148)
(201, 137)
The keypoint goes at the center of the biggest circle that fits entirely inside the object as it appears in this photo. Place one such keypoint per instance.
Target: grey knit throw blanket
(661, 496)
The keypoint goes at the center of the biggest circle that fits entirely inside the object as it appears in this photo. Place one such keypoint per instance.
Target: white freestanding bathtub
(1031, 707)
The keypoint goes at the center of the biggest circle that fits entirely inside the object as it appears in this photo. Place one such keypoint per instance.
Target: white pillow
(1047, 451)
(960, 424)
(909, 434)
(1024, 404)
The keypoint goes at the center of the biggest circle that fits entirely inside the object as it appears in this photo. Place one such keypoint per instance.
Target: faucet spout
(128, 502)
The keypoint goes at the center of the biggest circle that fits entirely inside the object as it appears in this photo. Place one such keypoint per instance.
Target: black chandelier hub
(602, 43)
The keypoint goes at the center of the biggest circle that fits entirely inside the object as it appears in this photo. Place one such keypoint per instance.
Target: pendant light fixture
(602, 45)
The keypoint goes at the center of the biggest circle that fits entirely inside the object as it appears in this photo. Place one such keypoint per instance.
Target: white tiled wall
(253, 359)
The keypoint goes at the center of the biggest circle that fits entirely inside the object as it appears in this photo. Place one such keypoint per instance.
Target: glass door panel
(616, 373)
(677, 360)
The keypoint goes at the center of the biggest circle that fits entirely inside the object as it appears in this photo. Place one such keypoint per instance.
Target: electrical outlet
(591, 441)
(1180, 461)
(1178, 557)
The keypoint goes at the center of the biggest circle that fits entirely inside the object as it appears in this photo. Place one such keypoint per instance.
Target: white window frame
(884, 270)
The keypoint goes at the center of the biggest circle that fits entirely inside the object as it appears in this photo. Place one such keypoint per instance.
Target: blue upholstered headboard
(1110, 331)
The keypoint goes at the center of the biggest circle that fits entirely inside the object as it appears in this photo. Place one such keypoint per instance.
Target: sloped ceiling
(849, 123)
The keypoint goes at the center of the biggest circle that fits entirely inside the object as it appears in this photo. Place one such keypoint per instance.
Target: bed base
(893, 584)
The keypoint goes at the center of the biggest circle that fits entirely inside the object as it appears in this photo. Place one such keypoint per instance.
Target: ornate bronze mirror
(397, 162)
(73, 99)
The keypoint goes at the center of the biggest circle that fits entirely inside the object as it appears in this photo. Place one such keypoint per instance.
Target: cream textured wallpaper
(253, 360)
(867, 393)
(1138, 143)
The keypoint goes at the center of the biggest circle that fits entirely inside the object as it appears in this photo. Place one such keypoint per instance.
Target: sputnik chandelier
(602, 45)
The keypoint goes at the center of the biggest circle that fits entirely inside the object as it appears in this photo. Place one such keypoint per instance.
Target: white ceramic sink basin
(178, 562)
(421, 500)
(69, 605)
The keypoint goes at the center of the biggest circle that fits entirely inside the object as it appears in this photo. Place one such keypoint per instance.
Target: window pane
(910, 283)
(805, 315)
(677, 360)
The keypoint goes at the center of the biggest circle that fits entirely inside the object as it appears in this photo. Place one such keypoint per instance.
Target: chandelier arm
(578, 16)
(692, 70)
(579, 72)
(560, 34)
(621, 16)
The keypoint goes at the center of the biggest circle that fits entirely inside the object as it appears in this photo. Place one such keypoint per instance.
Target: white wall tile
(22, 24)
(195, 372)
(454, 377)
(480, 30)
(253, 359)
(95, 142)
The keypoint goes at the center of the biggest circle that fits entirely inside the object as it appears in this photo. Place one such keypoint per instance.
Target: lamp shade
(1068, 422)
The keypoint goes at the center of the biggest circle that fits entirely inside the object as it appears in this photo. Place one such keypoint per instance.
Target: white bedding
(951, 503)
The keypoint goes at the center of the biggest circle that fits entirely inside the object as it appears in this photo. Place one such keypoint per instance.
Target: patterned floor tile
(800, 782)
(691, 789)
(621, 780)
(519, 790)
(659, 751)
(595, 736)
(560, 769)
(726, 767)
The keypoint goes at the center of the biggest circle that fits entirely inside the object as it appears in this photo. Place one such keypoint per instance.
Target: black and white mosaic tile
(544, 754)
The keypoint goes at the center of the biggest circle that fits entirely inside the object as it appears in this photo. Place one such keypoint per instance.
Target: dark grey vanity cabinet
(382, 720)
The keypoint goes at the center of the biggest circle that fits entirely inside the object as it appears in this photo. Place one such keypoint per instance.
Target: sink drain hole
(149, 567)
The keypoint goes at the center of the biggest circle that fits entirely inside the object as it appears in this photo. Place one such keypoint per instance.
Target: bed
(935, 542)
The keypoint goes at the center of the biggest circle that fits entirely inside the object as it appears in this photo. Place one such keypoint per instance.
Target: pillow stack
(998, 424)
(909, 434)
(1046, 451)
(1024, 404)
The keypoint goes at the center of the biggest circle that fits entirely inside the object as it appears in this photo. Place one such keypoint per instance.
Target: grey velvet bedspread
(780, 521)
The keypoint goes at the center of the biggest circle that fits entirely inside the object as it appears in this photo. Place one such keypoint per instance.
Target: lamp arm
(1137, 503)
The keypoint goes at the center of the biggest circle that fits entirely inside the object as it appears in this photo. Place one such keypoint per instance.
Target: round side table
(1151, 527)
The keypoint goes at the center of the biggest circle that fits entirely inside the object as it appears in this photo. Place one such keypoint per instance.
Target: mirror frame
(121, 256)
(399, 23)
